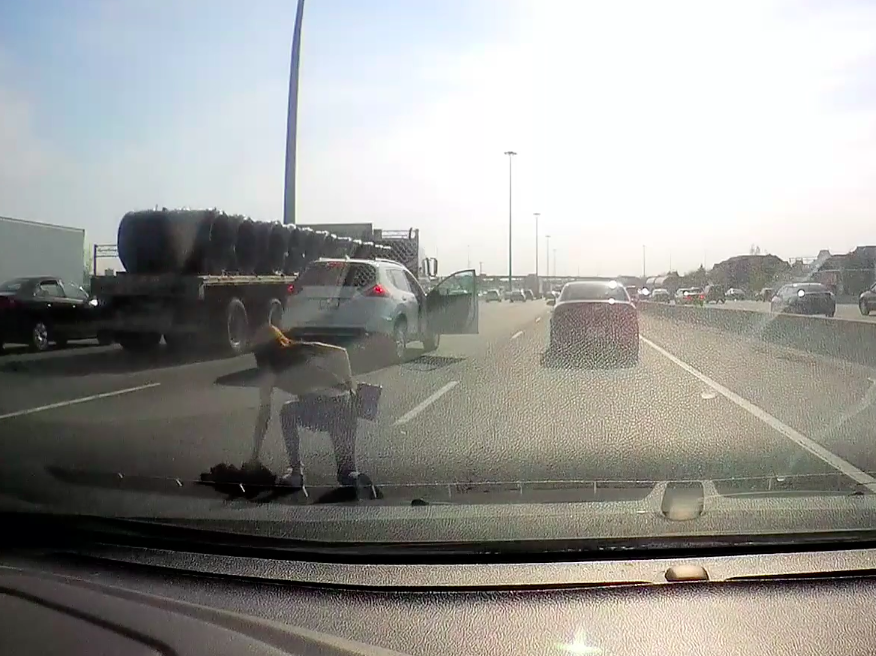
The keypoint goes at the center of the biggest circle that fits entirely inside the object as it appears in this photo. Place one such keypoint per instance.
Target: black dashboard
(121, 600)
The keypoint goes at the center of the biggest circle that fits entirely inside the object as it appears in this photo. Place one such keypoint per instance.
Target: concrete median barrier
(854, 341)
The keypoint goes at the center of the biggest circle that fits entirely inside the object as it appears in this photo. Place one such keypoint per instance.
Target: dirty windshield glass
(360, 270)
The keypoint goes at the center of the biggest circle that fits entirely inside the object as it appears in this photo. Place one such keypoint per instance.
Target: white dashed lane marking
(806, 443)
(517, 334)
(417, 409)
(83, 399)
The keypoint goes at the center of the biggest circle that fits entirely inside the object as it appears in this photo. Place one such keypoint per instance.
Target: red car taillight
(291, 290)
(378, 290)
(702, 297)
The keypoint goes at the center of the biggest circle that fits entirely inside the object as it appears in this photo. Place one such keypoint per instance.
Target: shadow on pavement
(430, 362)
(85, 359)
(583, 360)
(113, 361)
(361, 361)
(13, 350)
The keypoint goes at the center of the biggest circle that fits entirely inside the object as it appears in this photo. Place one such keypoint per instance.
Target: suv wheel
(431, 342)
(399, 342)
(862, 306)
(39, 337)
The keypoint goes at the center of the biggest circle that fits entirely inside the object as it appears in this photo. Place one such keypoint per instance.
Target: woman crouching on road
(320, 377)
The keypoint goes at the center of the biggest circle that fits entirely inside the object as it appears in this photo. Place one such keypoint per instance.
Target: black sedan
(595, 318)
(41, 310)
(804, 298)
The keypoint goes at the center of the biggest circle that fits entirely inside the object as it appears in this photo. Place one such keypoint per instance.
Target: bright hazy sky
(689, 126)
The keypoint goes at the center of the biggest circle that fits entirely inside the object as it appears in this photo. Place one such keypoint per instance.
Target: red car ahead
(596, 317)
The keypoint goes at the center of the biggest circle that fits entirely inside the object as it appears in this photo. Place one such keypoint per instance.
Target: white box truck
(30, 248)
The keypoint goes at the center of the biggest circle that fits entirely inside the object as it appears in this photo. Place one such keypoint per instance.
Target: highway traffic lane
(830, 401)
(203, 414)
(511, 418)
(844, 311)
(33, 380)
(508, 417)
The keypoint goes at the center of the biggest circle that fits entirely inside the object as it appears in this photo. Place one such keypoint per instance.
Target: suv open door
(452, 305)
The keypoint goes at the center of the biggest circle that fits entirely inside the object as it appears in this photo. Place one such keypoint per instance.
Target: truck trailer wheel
(235, 338)
(138, 342)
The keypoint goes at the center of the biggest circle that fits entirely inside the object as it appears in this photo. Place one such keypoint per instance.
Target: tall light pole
(555, 262)
(536, 215)
(510, 154)
(547, 252)
(643, 260)
(292, 119)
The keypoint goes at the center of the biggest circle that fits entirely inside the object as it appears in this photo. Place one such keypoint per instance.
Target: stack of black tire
(211, 242)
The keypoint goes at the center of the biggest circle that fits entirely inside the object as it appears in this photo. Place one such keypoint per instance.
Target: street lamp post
(292, 119)
(555, 263)
(536, 215)
(547, 252)
(510, 154)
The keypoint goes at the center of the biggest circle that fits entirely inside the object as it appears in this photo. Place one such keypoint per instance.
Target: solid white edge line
(517, 334)
(537, 319)
(417, 409)
(83, 399)
(842, 466)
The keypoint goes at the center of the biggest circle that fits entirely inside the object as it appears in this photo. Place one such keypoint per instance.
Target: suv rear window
(594, 291)
(337, 274)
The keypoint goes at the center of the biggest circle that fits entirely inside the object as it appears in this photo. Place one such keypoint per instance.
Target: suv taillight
(378, 290)
(292, 290)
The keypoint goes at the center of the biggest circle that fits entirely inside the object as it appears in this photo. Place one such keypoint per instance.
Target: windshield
(389, 267)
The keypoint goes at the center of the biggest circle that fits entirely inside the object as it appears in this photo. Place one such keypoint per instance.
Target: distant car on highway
(804, 298)
(517, 296)
(715, 294)
(867, 301)
(41, 310)
(660, 295)
(493, 295)
(690, 296)
(735, 294)
(595, 317)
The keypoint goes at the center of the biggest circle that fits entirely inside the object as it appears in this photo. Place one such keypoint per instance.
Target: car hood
(463, 511)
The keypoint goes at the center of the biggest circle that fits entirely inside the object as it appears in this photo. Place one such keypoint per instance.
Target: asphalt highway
(700, 404)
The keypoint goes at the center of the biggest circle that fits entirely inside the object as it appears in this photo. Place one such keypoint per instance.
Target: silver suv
(352, 301)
